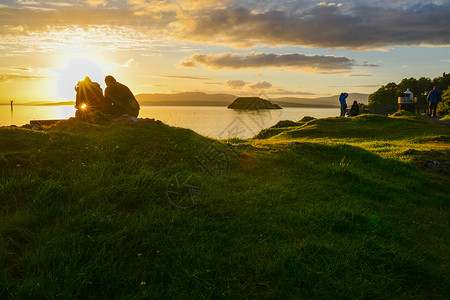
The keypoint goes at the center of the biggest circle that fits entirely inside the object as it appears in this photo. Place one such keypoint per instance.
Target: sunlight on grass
(330, 208)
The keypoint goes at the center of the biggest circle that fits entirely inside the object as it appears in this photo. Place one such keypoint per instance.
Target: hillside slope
(328, 208)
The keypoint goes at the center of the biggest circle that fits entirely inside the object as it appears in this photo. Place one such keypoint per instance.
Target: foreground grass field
(330, 208)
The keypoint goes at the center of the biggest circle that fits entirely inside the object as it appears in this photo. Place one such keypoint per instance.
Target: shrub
(444, 106)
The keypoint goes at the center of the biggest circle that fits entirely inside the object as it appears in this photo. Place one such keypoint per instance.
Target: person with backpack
(342, 98)
(89, 97)
(434, 97)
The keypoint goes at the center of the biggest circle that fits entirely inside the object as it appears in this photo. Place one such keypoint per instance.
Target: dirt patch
(435, 162)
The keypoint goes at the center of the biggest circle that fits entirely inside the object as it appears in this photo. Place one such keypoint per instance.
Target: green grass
(328, 208)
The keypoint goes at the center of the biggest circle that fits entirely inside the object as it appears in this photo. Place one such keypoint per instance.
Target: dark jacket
(122, 99)
(354, 110)
(91, 94)
(434, 96)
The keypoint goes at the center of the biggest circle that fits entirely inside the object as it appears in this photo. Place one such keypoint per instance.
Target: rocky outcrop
(253, 103)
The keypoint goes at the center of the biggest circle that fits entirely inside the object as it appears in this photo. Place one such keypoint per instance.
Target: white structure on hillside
(407, 98)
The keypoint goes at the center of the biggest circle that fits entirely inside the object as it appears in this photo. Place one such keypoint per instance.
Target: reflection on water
(22, 114)
(216, 122)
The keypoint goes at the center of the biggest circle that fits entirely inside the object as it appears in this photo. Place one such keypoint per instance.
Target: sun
(75, 69)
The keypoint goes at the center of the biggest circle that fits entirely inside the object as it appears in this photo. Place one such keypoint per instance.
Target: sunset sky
(272, 48)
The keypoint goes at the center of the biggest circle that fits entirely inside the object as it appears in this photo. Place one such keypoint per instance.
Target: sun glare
(75, 70)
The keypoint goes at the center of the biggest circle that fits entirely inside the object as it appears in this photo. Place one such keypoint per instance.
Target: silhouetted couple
(118, 99)
(354, 110)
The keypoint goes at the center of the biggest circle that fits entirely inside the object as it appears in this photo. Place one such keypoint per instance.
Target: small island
(253, 103)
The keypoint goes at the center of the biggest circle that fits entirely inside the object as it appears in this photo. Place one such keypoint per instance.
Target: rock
(253, 103)
(307, 119)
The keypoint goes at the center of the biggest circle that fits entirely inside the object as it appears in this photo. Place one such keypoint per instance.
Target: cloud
(295, 61)
(157, 9)
(280, 91)
(28, 2)
(18, 28)
(52, 18)
(236, 84)
(129, 63)
(59, 4)
(352, 24)
(213, 82)
(329, 4)
(10, 77)
(144, 7)
(95, 3)
(187, 77)
(261, 85)
(356, 25)
(357, 86)
(358, 75)
(370, 65)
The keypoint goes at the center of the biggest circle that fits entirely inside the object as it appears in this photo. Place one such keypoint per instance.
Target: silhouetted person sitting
(122, 99)
(354, 110)
(90, 97)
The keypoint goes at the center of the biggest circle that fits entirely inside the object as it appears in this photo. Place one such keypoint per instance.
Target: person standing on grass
(121, 97)
(342, 98)
(434, 97)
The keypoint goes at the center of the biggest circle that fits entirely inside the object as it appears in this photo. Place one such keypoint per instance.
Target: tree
(424, 85)
(442, 83)
(444, 106)
(384, 95)
(387, 94)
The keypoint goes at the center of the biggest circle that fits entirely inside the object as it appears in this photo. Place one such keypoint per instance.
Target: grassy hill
(327, 208)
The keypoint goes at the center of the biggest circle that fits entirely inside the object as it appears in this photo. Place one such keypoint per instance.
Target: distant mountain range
(202, 99)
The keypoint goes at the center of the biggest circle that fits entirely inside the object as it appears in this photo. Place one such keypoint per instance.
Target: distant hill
(331, 101)
(253, 103)
(186, 99)
(202, 99)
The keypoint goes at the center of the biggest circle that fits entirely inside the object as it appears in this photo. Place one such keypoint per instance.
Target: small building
(407, 101)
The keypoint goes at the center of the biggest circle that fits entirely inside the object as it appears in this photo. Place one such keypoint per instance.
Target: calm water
(213, 121)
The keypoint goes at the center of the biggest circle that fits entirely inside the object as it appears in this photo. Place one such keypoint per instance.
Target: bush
(444, 106)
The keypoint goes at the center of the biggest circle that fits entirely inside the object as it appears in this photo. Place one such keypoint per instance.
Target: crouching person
(89, 98)
(122, 99)
(354, 110)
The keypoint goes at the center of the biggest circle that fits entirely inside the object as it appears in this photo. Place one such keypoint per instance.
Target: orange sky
(275, 48)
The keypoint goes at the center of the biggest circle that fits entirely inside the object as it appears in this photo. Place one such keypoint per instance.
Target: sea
(212, 121)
